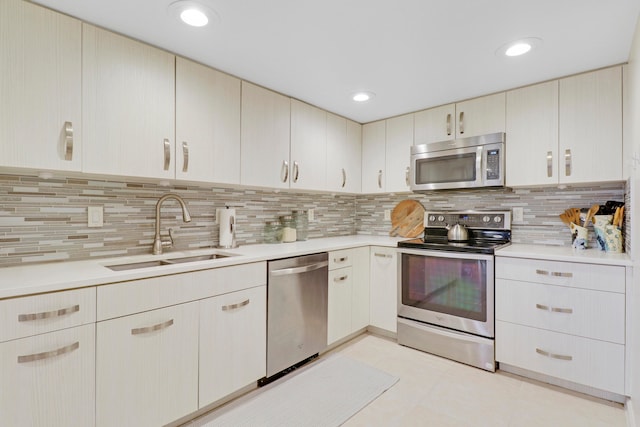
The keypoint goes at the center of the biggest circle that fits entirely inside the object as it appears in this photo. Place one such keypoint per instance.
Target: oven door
(454, 290)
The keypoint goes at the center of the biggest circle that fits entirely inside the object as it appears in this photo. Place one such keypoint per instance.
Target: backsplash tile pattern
(46, 220)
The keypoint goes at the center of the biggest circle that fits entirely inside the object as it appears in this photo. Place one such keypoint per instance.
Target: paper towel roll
(227, 225)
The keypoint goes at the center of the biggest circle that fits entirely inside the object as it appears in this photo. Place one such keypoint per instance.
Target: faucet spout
(158, 243)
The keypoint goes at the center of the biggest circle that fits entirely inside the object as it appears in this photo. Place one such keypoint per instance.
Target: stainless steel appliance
(297, 293)
(461, 163)
(446, 288)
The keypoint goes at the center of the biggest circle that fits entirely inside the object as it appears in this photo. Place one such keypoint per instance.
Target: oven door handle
(446, 254)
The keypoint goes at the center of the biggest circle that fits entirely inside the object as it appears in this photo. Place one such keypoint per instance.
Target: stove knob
(440, 218)
(497, 219)
(432, 218)
(486, 219)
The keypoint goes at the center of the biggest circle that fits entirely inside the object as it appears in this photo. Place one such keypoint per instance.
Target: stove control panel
(493, 220)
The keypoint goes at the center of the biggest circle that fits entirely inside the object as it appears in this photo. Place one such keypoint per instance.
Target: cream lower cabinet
(563, 320)
(233, 342)
(384, 288)
(147, 367)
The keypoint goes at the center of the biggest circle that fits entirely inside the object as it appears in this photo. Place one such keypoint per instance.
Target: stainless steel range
(446, 286)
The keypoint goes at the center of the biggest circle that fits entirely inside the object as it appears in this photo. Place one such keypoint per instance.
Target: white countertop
(565, 253)
(30, 279)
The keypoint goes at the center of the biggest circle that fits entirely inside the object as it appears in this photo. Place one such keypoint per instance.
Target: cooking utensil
(592, 211)
(407, 219)
(457, 233)
(565, 219)
(618, 217)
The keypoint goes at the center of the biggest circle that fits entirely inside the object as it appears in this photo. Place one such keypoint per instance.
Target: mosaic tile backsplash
(46, 220)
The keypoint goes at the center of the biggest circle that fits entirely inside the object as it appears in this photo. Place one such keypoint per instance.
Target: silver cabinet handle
(48, 354)
(147, 329)
(406, 176)
(542, 307)
(549, 164)
(48, 314)
(449, 124)
(344, 178)
(284, 171)
(553, 356)
(542, 272)
(340, 279)
(554, 309)
(68, 141)
(167, 153)
(461, 123)
(567, 162)
(380, 178)
(296, 171)
(237, 305)
(560, 274)
(185, 156)
(383, 255)
(298, 270)
(342, 259)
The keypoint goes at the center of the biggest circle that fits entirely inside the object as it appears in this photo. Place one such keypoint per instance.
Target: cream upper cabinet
(532, 135)
(207, 139)
(478, 116)
(398, 152)
(265, 135)
(128, 104)
(308, 147)
(591, 127)
(373, 157)
(344, 153)
(40, 74)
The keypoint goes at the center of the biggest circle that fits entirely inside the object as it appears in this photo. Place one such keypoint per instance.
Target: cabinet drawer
(37, 314)
(584, 361)
(121, 299)
(340, 259)
(49, 379)
(586, 313)
(576, 275)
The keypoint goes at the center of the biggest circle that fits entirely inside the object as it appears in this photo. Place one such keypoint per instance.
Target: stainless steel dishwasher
(296, 312)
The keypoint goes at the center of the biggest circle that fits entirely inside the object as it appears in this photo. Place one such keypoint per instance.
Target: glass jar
(302, 224)
(272, 232)
(288, 229)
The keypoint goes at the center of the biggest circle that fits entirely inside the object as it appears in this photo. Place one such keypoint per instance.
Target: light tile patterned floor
(437, 392)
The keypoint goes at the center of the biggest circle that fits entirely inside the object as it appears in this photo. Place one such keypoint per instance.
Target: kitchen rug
(326, 394)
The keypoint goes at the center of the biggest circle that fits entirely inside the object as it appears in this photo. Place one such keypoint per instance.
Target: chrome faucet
(158, 243)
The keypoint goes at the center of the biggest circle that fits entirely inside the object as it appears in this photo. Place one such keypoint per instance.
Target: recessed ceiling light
(362, 96)
(519, 47)
(192, 12)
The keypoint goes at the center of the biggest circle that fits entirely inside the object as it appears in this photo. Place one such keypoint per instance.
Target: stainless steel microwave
(461, 163)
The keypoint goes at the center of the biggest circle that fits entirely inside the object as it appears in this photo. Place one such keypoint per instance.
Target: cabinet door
(265, 134)
(344, 142)
(398, 153)
(480, 116)
(233, 342)
(339, 304)
(435, 124)
(591, 127)
(360, 288)
(532, 135)
(308, 147)
(40, 107)
(147, 367)
(207, 124)
(384, 288)
(128, 104)
(49, 379)
(373, 157)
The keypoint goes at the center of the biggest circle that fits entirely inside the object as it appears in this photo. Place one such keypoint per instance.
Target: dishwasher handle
(298, 270)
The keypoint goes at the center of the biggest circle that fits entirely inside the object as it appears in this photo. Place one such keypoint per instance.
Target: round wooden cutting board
(407, 219)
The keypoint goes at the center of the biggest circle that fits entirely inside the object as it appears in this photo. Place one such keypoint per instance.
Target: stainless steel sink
(161, 262)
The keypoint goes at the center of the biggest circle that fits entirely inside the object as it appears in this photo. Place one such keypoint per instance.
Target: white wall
(632, 143)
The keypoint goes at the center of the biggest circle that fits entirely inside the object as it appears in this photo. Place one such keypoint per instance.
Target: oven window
(457, 287)
(456, 168)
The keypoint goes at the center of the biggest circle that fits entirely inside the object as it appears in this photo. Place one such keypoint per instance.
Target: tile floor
(433, 391)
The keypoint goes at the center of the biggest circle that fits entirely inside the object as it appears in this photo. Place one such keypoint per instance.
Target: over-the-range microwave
(461, 163)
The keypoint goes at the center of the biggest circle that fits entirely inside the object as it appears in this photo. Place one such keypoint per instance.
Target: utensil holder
(579, 236)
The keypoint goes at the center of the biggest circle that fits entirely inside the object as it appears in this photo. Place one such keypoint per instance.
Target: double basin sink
(161, 262)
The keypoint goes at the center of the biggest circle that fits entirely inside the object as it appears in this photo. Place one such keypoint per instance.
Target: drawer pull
(48, 314)
(234, 306)
(559, 274)
(341, 278)
(554, 356)
(147, 329)
(48, 354)
(542, 272)
(343, 259)
(542, 307)
(382, 255)
(554, 309)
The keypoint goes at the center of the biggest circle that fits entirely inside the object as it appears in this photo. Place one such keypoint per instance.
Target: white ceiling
(412, 54)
